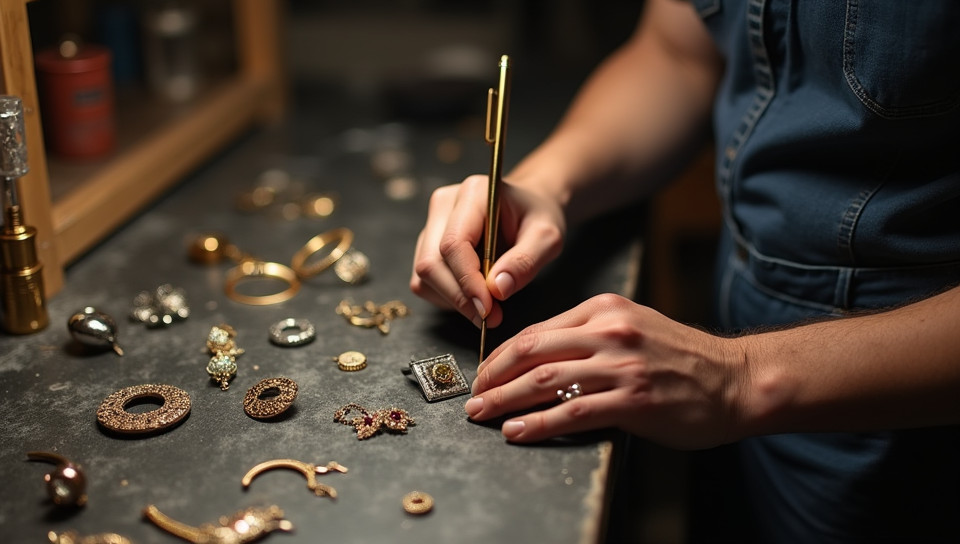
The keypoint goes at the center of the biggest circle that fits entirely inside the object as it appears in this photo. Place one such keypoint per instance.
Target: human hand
(638, 370)
(446, 267)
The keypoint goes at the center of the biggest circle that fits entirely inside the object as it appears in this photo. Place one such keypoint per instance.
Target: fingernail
(479, 306)
(477, 321)
(512, 429)
(505, 283)
(473, 385)
(473, 406)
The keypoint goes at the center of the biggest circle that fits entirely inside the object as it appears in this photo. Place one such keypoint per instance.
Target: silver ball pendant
(92, 327)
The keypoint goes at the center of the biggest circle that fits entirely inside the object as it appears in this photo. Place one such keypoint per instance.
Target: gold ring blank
(265, 408)
(417, 503)
(344, 238)
(309, 470)
(113, 415)
(250, 270)
(66, 485)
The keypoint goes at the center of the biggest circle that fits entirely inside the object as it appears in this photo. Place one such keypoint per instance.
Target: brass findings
(66, 485)
(309, 470)
(223, 364)
(175, 405)
(72, 537)
(252, 270)
(368, 424)
(213, 248)
(352, 267)
(370, 314)
(417, 503)
(258, 406)
(242, 527)
(343, 237)
(351, 361)
(439, 377)
(281, 333)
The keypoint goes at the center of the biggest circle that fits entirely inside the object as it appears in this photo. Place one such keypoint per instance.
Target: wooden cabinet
(75, 206)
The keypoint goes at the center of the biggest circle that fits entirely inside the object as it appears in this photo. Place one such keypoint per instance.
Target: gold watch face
(351, 361)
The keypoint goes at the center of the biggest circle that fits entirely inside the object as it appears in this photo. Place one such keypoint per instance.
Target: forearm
(635, 121)
(895, 369)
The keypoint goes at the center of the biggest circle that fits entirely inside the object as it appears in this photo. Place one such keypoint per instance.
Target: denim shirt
(838, 133)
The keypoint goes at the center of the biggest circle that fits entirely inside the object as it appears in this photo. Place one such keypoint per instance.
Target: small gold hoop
(113, 415)
(266, 408)
(417, 503)
(251, 270)
(344, 238)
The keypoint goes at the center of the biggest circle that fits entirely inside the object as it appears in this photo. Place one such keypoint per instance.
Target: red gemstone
(367, 420)
(395, 415)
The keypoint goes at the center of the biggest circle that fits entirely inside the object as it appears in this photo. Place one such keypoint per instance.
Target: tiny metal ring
(344, 237)
(250, 270)
(265, 408)
(280, 332)
(67, 484)
(417, 503)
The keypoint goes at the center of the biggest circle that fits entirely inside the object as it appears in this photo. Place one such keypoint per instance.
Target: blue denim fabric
(837, 125)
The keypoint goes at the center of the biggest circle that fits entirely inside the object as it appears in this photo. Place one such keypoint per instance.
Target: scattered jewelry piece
(281, 333)
(351, 361)
(223, 364)
(258, 406)
(175, 405)
(417, 503)
(368, 424)
(94, 328)
(72, 537)
(307, 469)
(244, 526)
(570, 393)
(344, 238)
(66, 485)
(213, 248)
(439, 377)
(253, 270)
(353, 267)
(371, 315)
(160, 308)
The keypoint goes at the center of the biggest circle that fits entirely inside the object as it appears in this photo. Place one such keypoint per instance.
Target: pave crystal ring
(292, 332)
(571, 392)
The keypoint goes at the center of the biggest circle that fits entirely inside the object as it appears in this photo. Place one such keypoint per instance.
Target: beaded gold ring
(417, 503)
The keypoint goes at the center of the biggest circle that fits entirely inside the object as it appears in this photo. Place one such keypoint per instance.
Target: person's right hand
(446, 266)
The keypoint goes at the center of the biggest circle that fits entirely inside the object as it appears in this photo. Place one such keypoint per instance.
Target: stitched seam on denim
(773, 293)
(849, 73)
(850, 219)
(764, 94)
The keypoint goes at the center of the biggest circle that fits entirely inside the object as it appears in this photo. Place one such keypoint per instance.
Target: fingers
(446, 266)
(588, 412)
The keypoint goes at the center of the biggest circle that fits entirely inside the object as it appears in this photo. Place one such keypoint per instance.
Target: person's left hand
(637, 369)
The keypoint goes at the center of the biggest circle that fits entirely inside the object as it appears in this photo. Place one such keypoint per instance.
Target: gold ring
(417, 502)
(344, 238)
(250, 270)
(258, 405)
(174, 407)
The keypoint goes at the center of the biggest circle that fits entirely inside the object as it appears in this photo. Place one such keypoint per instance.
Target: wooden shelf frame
(135, 176)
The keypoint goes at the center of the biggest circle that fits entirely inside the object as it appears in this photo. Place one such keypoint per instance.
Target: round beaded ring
(259, 404)
(292, 332)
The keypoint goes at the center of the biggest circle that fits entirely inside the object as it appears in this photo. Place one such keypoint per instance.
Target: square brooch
(439, 377)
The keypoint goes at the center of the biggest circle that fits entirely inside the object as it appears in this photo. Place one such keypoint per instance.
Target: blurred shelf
(75, 205)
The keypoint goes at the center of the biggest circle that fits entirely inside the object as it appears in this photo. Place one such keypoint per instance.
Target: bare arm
(636, 120)
(894, 369)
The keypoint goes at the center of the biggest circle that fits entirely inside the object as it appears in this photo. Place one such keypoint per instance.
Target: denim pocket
(706, 8)
(900, 58)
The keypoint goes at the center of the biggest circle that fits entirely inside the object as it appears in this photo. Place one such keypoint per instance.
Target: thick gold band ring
(344, 238)
(250, 270)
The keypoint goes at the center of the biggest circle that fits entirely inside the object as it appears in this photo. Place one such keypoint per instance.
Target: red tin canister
(77, 101)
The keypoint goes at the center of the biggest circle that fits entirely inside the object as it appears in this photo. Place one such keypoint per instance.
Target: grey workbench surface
(485, 489)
